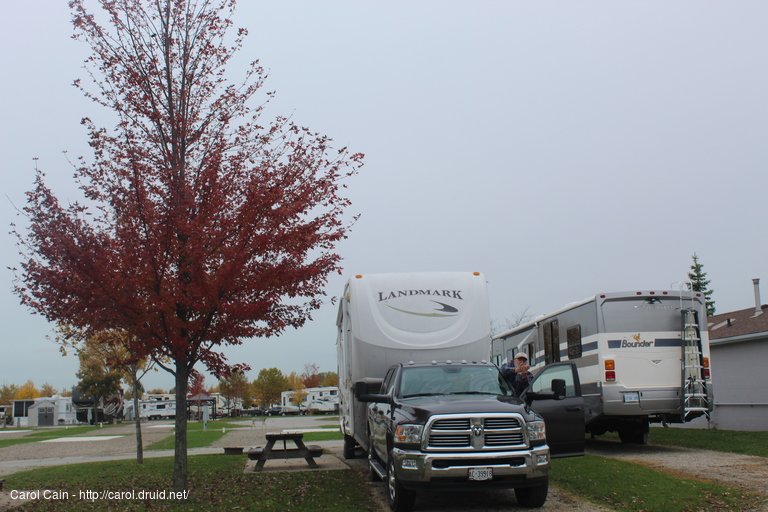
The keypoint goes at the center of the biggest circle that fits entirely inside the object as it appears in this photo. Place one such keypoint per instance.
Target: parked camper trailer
(385, 319)
(443, 413)
(319, 399)
(323, 400)
(157, 409)
(643, 357)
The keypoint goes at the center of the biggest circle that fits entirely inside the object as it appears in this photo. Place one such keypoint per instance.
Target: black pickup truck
(459, 425)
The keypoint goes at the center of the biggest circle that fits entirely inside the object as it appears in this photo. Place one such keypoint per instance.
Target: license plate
(481, 473)
(631, 398)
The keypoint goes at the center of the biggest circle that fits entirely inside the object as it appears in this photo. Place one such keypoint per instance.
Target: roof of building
(738, 323)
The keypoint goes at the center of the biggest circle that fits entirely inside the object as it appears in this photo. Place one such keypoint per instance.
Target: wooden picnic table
(308, 453)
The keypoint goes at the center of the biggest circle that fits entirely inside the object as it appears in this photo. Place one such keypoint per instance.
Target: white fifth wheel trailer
(385, 319)
(642, 357)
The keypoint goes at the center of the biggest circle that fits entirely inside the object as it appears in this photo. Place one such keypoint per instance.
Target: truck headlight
(410, 434)
(536, 431)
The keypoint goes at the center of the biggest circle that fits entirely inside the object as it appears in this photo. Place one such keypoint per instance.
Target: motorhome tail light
(706, 367)
(610, 367)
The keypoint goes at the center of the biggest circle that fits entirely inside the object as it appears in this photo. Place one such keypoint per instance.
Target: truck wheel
(349, 447)
(533, 497)
(400, 499)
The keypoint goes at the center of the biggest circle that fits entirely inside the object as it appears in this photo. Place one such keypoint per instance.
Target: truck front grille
(449, 441)
(451, 424)
(469, 432)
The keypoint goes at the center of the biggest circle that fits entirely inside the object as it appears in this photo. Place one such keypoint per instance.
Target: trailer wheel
(533, 497)
(633, 437)
(400, 499)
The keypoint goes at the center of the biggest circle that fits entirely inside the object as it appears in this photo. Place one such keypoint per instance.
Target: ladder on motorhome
(695, 397)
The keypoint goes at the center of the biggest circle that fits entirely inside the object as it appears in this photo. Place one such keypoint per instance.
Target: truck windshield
(452, 380)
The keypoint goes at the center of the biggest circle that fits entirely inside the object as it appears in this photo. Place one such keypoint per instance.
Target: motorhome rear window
(642, 315)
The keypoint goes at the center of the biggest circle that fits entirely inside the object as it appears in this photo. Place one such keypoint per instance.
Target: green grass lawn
(622, 485)
(216, 483)
(730, 441)
(311, 437)
(197, 436)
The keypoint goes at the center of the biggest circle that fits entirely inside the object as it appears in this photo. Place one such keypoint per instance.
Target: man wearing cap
(518, 375)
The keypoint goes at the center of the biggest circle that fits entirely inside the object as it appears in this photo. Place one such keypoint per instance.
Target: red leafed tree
(311, 376)
(199, 227)
(197, 384)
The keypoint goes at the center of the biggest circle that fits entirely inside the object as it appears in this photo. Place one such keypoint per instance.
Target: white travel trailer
(157, 409)
(323, 399)
(320, 399)
(642, 357)
(385, 319)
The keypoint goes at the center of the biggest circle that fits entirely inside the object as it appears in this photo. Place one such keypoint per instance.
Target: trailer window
(574, 341)
(551, 342)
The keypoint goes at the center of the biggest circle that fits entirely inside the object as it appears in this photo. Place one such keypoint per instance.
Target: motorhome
(418, 394)
(643, 357)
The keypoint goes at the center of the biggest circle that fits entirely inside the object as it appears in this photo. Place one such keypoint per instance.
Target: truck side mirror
(367, 390)
(361, 388)
(558, 388)
(367, 386)
(557, 393)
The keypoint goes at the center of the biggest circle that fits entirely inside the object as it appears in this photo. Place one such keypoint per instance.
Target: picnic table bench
(308, 453)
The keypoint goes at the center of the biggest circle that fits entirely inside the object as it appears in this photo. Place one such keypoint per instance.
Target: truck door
(377, 417)
(563, 416)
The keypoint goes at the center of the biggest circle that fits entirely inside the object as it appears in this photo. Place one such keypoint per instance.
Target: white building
(738, 341)
(44, 412)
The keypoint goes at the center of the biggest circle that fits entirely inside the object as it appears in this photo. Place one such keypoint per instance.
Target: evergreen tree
(698, 282)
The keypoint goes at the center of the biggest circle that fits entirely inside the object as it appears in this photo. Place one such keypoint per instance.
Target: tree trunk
(137, 414)
(180, 446)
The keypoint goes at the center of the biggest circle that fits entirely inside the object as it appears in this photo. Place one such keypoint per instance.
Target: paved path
(90, 448)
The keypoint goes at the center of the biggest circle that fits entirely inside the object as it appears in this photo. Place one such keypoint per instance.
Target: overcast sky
(562, 148)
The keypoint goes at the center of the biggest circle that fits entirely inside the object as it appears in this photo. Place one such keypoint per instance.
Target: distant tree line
(263, 391)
